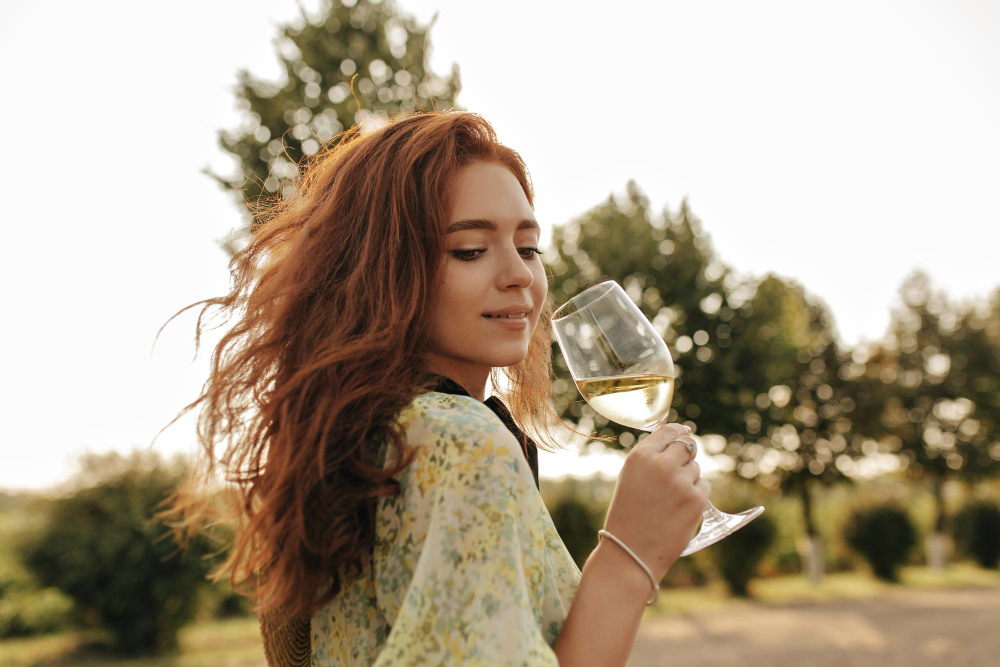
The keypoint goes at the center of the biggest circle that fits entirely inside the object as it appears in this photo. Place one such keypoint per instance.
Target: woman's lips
(515, 322)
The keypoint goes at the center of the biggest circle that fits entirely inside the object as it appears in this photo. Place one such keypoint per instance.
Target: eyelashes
(473, 254)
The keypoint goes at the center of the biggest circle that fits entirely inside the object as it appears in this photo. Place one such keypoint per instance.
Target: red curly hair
(333, 294)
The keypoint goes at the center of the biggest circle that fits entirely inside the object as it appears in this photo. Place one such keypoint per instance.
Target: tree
(757, 361)
(667, 266)
(975, 350)
(942, 372)
(794, 426)
(100, 546)
(358, 61)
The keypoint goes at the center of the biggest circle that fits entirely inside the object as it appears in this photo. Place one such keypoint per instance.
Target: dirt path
(903, 628)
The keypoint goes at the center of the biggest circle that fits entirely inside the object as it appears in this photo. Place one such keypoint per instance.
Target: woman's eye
(472, 254)
(467, 255)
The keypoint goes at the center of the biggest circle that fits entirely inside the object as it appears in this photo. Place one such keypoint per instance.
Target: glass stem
(712, 515)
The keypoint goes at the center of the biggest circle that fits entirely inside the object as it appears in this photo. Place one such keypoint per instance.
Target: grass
(221, 643)
(237, 641)
(835, 586)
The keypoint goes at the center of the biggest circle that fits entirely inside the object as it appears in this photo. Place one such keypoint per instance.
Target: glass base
(715, 525)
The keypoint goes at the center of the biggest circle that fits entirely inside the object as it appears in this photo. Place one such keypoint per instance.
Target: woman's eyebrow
(479, 223)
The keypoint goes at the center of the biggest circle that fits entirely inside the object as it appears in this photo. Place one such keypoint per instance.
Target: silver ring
(690, 444)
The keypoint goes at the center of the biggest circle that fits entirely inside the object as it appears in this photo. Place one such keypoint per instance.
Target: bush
(219, 600)
(694, 570)
(100, 547)
(33, 612)
(884, 536)
(26, 609)
(977, 532)
(577, 526)
(738, 555)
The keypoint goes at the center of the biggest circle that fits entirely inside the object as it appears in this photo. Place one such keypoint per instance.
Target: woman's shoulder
(448, 426)
(452, 415)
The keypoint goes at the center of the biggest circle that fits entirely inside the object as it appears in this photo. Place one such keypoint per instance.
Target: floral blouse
(467, 567)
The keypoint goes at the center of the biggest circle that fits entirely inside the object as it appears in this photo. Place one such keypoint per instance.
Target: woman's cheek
(465, 286)
(540, 285)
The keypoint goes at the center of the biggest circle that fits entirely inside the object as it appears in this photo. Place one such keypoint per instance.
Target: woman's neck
(472, 379)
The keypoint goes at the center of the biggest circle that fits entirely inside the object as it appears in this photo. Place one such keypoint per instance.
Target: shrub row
(884, 535)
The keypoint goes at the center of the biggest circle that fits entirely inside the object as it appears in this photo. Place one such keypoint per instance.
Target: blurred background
(801, 198)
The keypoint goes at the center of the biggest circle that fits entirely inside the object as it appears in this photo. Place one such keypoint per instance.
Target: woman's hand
(657, 503)
(659, 498)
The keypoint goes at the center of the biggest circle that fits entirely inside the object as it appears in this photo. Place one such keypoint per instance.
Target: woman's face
(492, 283)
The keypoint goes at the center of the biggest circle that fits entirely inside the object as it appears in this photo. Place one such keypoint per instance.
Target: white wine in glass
(624, 371)
(636, 401)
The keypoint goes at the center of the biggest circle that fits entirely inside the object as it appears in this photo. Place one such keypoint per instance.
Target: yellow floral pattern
(467, 567)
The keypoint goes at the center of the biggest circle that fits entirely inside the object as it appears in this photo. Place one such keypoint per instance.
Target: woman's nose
(514, 271)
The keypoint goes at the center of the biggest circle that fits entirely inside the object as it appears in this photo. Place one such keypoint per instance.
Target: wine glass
(623, 369)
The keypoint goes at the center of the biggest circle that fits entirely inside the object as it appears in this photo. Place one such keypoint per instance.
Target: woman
(388, 511)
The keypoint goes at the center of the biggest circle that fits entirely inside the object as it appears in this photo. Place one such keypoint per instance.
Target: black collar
(446, 385)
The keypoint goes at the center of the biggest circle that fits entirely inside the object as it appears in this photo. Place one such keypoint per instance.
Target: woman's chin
(507, 360)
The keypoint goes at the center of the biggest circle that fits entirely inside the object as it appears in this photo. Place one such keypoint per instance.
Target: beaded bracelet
(656, 586)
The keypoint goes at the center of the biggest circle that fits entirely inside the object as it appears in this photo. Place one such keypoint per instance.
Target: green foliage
(577, 525)
(757, 361)
(288, 121)
(667, 265)
(101, 548)
(934, 382)
(977, 532)
(884, 536)
(30, 611)
(219, 600)
(25, 607)
(758, 365)
(738, 556)
(762, 376)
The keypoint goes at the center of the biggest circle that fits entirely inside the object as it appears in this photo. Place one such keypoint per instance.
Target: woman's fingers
(681, 450)
(676, 453)
(691, 471)
(704, 487)
(659, 497)
(664, 435)
(673, 446)
(678, 458)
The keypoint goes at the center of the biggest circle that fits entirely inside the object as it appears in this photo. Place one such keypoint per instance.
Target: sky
(840, 144)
